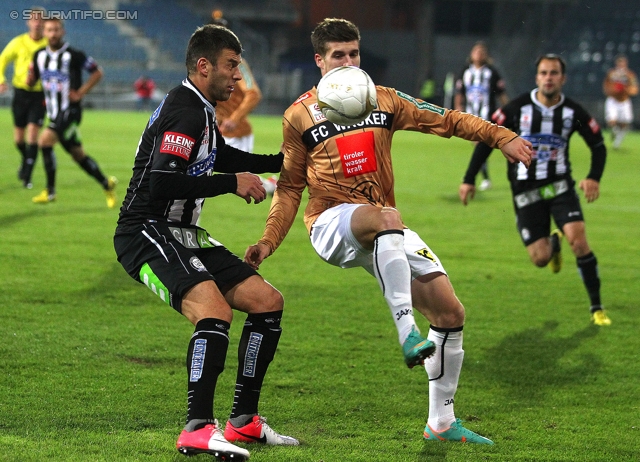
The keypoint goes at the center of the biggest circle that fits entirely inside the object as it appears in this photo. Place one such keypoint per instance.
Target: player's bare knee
(450, 317)
(390, 218)
(270, 300)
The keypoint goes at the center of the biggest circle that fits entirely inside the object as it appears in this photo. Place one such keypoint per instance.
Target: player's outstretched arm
(518, 150)
(256, 254)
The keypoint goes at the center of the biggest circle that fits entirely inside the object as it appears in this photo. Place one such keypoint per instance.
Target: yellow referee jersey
(20, 51)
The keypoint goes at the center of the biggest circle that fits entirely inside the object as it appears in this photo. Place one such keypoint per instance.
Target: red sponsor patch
(593, 125)
(498, 117)
(302, 98)
(177, 144)
(357, 154)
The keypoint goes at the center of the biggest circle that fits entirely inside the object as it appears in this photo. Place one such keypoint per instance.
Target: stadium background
(403, 41)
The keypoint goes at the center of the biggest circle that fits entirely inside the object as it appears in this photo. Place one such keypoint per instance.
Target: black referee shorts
(534, 220)
(170, 260)
(28, 107)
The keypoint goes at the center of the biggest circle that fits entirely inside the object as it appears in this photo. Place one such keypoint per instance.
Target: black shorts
(66, 126)
(534, 220)
(170, 260)
(28, 107)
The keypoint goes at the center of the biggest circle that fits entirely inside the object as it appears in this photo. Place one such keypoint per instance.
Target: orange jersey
(244, 98)
(621, 84)
(353, 164)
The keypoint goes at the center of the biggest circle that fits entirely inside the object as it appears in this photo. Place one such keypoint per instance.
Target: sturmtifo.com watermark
(108, 15)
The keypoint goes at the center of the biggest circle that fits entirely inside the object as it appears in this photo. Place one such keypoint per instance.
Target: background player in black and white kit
(479, 89)
(159, 244)
(60, 68)
(547, 118)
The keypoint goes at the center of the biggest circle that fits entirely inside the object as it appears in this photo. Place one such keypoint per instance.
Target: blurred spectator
(619, 85)
(144, 87)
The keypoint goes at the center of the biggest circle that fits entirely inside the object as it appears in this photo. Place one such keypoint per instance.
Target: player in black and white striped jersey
(479, 90)
(547, 118)
(60, 68)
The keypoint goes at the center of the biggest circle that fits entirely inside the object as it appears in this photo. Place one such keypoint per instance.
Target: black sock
(49, 159)
(22, 147)
(31, 155)
(91, 167)
(257, 348)
(205, 362)
(588, 269)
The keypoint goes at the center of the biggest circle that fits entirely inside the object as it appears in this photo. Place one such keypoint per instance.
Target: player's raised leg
(383, 229)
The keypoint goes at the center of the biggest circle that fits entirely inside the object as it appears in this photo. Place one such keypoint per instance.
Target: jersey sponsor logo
(499, 117)
(197, 359)
(357, 154)
(593, 125)
(321, 132)
(525, 123)
(251, 356)
(191, 238)
(316, 113)
(422, 105)
(177, 144)
(477, 93)
(546, 146)
(307, 95)
(203, 166)
(205, 136)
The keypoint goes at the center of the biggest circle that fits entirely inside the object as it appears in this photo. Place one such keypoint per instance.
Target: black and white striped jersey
(61, 71)
(480, 87)
(549, 130)
(178, 152)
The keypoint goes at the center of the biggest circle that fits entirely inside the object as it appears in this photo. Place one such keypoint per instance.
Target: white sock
(443, 369)
(392, 270)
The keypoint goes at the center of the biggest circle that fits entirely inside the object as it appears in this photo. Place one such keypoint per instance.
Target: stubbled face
(550, 78)
(54, 33)
(339, 54)
(222, 77)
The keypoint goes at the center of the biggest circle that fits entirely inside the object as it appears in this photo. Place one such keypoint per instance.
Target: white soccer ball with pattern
(346, 95)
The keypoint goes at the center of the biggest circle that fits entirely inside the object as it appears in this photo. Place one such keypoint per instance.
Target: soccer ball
(346, 95)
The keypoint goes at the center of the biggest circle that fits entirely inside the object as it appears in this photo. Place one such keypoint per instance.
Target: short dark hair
(553, 57)
(208, 42)
(333, 30)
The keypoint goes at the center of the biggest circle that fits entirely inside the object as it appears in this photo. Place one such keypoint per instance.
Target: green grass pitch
(92, 364)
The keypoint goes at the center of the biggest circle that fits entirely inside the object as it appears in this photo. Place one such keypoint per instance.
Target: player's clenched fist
(250, 187)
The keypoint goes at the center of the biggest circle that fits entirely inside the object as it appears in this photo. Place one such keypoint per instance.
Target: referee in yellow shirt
(28, 102)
